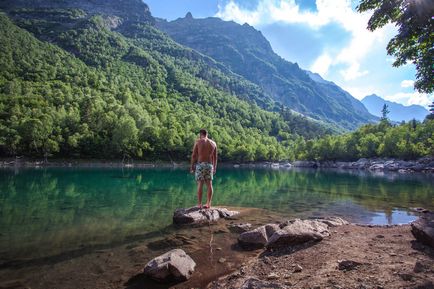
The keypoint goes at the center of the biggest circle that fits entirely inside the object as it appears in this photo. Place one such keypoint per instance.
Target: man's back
(205, 149)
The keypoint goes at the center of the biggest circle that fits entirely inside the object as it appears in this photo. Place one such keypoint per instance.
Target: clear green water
(50, 211)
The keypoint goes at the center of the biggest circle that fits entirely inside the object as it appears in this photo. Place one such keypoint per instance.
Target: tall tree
(415, 37)
(431, 109)
(384, 112)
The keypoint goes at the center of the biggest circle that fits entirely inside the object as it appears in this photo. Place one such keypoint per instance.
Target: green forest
(72, 87)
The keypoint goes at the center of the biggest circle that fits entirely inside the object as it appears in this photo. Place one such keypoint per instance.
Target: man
(204, 165)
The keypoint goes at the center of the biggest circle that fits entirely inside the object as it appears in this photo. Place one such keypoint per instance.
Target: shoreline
(388, 252)
(422, 165)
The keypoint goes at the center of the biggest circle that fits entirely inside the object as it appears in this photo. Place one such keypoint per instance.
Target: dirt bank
(387, 257)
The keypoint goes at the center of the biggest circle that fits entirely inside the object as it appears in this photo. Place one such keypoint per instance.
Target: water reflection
(49, 211)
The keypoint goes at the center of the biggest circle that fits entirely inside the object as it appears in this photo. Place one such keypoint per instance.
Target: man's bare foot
(199, 206)
(207, 206)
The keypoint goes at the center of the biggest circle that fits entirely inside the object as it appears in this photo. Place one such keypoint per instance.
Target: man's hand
(214, 171)
(192, 169)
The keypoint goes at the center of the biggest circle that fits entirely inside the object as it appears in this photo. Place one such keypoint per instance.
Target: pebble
(298, 268)
(218, 249)
(272, 276)
(222, 260)
(379, 236)
(418, 267)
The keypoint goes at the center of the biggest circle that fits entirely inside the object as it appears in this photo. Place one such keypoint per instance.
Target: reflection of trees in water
(56, 209)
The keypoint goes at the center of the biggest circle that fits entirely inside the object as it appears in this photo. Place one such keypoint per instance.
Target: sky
(328, 37)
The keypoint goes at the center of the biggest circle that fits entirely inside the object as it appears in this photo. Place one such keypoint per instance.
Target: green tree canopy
(415, 38)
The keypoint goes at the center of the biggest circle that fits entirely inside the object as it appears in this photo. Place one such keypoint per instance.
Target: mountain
(398, 112)
(245, 51)
(97, 79)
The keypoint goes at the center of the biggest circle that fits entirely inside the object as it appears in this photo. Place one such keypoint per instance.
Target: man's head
(203, 133)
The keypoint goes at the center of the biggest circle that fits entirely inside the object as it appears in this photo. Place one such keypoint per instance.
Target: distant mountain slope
(82, 80)
(246, 52)
(398, 112)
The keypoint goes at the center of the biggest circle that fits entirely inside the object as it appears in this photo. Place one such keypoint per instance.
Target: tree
(413, 43)
(384, 112)
(431, 115)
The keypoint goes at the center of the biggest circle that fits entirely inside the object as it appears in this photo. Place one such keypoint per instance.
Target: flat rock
(174, 265)
(298, 231)
(197, 215)
(333, 221)
(423, 229)
(240, 228)
(347, 265)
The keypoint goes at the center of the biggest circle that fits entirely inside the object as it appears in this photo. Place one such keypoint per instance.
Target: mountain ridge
(248, 53)
(398, 112)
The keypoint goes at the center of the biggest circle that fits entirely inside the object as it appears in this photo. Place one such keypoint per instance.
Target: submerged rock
(174, 265)
(423, 229)
(197, 215)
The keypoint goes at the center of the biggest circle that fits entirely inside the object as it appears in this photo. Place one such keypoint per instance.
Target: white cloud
(407, 83)
(322, 64)
(328, 11)
(410, 98)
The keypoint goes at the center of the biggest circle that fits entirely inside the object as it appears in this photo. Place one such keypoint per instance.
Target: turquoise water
(50, 211)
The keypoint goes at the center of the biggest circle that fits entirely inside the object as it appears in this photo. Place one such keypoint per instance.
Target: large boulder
(174, 265)
(298, 231)
(197, 215)
(423, 229)
(257, 238)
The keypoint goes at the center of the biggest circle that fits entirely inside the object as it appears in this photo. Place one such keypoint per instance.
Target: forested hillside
(79, 83)
(245, 51)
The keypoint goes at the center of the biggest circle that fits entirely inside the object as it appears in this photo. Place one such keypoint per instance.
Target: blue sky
(325, 36)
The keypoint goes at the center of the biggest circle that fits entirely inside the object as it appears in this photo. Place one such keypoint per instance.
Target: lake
(49, 211)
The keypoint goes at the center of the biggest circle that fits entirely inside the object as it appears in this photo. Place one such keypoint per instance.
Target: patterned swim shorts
(204, 172)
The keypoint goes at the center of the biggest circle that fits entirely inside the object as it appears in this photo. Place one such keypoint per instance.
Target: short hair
(203, 132)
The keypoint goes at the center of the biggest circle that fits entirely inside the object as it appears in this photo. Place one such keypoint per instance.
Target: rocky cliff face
(247, 52)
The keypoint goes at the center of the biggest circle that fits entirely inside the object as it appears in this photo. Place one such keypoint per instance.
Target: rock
(196, 215)
(240, 228)
(423, 229)
(257, 238)
(297, 268)
(406, 276)
(333, 221)
(272, 276)
(376, 167)
(222, 260)
(253, 283)
(296, 232)
(253, 239)
(418, 267)
(174, 265)
(347, 265)
(425, 285)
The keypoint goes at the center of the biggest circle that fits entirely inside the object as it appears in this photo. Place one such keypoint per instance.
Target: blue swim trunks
(204, 171)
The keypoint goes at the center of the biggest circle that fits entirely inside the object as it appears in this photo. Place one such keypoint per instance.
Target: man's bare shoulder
(213, 143)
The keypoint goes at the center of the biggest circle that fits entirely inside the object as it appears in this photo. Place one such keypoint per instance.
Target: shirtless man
(204, 165)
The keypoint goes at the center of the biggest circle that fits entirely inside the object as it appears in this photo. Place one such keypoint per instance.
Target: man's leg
(199, 193)
(209, 193)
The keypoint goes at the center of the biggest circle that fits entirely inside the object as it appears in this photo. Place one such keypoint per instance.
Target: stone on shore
(423, 229)
(240, 228)
(297, 232)
(257, 238)
(253, 283)
(174, 265)
(197, 215)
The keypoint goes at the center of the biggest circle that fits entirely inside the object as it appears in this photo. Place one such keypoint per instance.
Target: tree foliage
(415, 38)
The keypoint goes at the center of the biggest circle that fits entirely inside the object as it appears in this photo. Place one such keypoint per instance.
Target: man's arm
(214, 159)
(194, 157)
